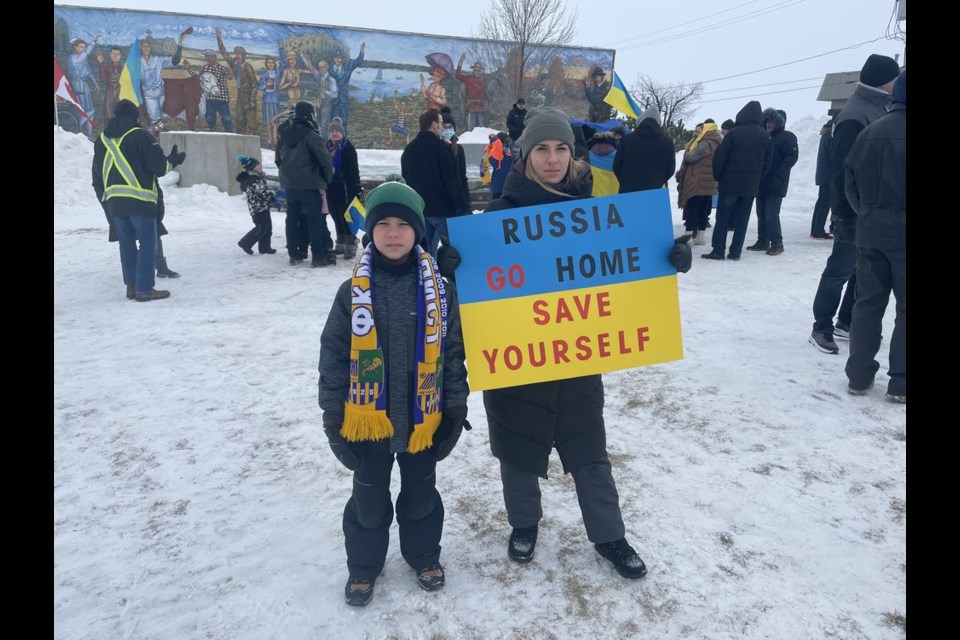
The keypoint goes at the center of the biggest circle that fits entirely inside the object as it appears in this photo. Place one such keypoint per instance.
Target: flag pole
(56, 111)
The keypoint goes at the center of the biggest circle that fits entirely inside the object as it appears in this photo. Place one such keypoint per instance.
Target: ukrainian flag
(620, 99)
(356, 216)
(130, 76)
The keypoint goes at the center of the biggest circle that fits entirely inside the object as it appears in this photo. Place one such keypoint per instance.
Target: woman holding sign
(527, 422)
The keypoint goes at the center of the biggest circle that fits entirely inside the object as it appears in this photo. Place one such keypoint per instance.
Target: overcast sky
(705, 40)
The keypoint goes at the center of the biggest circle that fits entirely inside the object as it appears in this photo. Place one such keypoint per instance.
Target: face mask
(448, 134)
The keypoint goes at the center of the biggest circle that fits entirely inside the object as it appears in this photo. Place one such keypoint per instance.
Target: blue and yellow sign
(567, 289)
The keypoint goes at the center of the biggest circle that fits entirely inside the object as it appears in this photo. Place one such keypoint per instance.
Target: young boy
(259, 199)
(393, 385)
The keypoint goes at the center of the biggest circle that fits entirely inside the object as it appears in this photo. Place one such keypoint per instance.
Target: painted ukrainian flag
(620, 99)
(130, 76)
(356, 216)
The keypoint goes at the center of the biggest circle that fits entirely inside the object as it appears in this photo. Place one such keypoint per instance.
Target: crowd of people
(393, 383)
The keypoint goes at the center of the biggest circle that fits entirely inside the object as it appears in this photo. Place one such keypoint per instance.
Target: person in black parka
(738, 164)
(876, 188)
(646, 158)
(784, 153)
(527, 422)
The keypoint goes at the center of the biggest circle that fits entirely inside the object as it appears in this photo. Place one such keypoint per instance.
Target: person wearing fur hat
(394, 321)
(259, 200)
(784, 153)
(343, 188)
(645, 158)
(875, 183)
(305, 171)
(127, 161)
(696, 185)
(527, 422)
(866, 105)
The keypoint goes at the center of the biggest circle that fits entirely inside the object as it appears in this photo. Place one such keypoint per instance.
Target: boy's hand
(338, 445)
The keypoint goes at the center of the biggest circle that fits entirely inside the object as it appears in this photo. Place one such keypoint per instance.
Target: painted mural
(208, 73)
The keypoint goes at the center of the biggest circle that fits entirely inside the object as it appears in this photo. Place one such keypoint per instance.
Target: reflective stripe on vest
(114, 159)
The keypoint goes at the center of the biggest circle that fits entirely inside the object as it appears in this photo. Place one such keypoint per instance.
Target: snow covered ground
(195, 497)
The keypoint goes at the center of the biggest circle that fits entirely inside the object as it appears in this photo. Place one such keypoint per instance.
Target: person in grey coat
(393, 385)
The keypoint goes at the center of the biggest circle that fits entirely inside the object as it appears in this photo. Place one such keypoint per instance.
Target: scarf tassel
(359, 424)
(422, 436)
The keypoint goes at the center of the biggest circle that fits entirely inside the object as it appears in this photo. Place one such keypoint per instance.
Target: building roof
(838, 86)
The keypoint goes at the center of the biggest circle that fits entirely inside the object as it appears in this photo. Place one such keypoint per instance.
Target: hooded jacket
(646, 158)
(302, 157)
(784, 153)
(743, 156)
(515, 122)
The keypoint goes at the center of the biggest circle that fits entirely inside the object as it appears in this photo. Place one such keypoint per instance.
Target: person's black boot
(163, 271)
(358, 592)
(431, 577)
(523, 542)
(624, 559)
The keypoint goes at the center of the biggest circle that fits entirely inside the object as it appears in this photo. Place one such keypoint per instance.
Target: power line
(755, 86)
(776, 66)
(782, 5)
(752, 96)
(682, 24)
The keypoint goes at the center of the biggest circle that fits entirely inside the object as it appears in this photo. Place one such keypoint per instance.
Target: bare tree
(520, 37)
(674, 101)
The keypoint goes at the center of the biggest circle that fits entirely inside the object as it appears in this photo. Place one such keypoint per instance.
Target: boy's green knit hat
(395, 199)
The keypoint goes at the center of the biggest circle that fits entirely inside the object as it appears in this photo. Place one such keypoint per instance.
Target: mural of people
(596, 86)
(151, 80)
(290, 80)
(327, 91)
(81, 78)
(441, 67)
(341, 72)
(400, 126)
(110, 77)
(270, 103)
(376, 98)
(246, 79)
(213, 79)
(476, 92)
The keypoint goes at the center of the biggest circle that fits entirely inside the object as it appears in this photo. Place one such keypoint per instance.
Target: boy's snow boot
(431, 577)
(358, 592)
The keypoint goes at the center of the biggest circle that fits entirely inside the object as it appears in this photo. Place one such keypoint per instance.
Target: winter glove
(452, 424)
(448, 258)
(680, 255)
(175, 158)
(340, 447)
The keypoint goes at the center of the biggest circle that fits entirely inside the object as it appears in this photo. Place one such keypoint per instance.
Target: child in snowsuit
(259, 199)
(393, 385)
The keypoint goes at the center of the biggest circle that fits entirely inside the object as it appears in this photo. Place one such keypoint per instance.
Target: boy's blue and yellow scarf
(365, 410)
